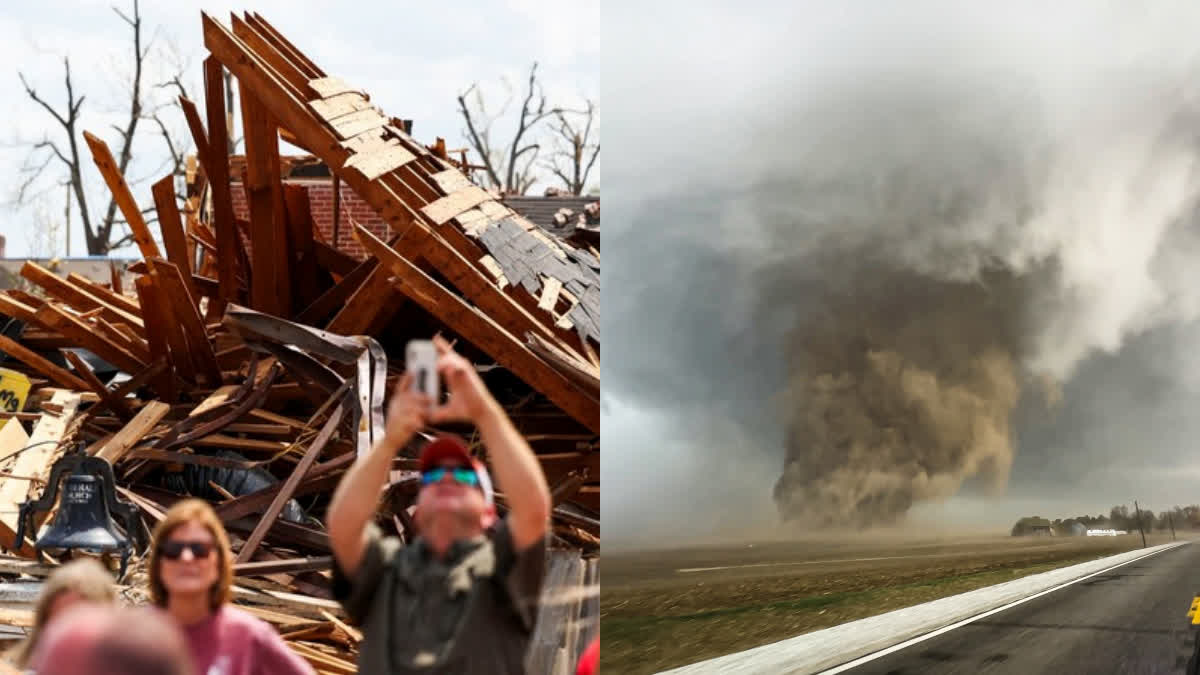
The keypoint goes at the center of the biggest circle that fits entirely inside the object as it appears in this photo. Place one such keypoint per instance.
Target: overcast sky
(1067, 132)
(412, 58)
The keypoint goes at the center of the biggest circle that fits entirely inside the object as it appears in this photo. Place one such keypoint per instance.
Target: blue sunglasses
(461, 475)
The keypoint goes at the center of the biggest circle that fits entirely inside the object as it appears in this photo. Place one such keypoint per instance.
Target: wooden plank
(329, 109)
(35, 461)
(374, 164)
(328, 87)
(199, 136)
(104, 295)
(451, 181)
(86, 336)
(289, 486)
(42, 365)
(270, 282)
(333, 260)
(222, 200)
(74, 296)
(349, 126)
(133, 432)
(168, 279)
(117, 405)
(220, 396)
(489, 263)
(337, 295)
(485, 334)
(16, 309)
(362, 307)
(231, 443)
(304, 281)
(121, 193)
(276, 418)
(156, 338)
(550, 289)
(13, 491)
(451, 205)
(137, 347)
(283, 67)
(284, 45)
(371, 141)
(264, 567)
(171, 226)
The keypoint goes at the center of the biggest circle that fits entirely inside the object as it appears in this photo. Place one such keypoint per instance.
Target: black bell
(84, 521)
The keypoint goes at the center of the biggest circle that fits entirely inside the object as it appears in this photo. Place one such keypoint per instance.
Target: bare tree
(575, 150)
(509, 167)
(62, 150)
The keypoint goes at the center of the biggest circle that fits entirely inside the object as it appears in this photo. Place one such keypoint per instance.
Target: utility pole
(1172, 524)
(1139, 517)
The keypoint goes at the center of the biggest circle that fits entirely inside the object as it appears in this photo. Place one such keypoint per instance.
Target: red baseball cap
(451, 447)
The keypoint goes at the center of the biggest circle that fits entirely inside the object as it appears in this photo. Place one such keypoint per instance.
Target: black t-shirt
(472, 612)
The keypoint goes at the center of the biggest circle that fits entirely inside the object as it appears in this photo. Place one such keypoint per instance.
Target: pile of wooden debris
(251, 361)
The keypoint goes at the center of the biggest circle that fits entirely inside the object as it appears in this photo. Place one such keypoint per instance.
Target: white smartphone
(420, 359)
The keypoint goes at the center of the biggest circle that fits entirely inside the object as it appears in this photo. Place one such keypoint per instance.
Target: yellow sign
(14, 389)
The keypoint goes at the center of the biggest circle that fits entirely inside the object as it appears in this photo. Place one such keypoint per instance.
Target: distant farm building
(1032, 527)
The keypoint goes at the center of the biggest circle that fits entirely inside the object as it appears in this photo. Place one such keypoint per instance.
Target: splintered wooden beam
(16, 309)
(305, 288)
(484, 333)
(270, 283)
(104, 295)
(218, 152)
(199, 136)
(124, 198)
(264, 567)
(42, 365)
(166, 337)
(133, 432)
(77, 298)
(170, 282)
(289, 486)
(88, 337)
(172, 230)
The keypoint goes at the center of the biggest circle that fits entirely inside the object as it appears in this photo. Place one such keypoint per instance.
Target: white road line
(921, 638)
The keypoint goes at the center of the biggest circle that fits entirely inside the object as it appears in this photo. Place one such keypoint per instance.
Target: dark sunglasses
(461, 475)
(173, 550)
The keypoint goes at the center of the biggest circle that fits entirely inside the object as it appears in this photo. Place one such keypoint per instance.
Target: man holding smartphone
(462, 597)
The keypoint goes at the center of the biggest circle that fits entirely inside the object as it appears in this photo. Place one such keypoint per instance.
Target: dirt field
(663, 609)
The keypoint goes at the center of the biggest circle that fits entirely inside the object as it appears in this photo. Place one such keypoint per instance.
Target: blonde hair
(192, 511)
(86, 578)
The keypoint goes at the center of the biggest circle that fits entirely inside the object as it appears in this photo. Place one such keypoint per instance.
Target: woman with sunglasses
(191, 574)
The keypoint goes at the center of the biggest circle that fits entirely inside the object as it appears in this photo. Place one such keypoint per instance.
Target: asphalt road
(1128, 620)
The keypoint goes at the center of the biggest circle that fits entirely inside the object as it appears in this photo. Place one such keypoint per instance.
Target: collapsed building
(250, 359)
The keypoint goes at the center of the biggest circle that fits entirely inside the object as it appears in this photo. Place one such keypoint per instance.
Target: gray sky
(1070, 129)
(412, 59)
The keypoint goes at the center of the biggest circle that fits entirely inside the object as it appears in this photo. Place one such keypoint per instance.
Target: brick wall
(320, 201)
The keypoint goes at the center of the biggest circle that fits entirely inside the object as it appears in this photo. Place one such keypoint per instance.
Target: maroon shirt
(235, 642)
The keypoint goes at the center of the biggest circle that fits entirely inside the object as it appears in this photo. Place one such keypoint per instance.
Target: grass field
(662, 609)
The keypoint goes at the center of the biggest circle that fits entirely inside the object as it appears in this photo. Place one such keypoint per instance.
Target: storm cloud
(887, 247)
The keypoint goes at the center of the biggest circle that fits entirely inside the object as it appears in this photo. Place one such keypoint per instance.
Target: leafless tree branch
(575, 152)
